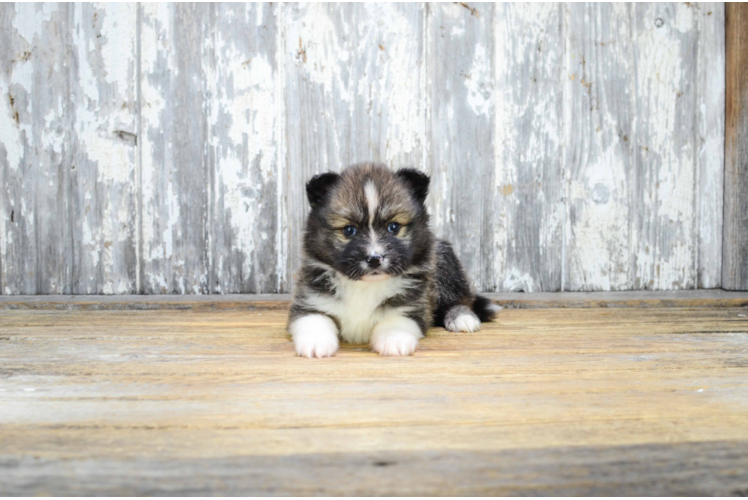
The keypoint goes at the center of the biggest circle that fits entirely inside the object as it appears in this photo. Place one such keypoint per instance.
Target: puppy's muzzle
(374, 260)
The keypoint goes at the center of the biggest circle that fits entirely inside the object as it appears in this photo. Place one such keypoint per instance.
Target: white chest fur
(356, 305)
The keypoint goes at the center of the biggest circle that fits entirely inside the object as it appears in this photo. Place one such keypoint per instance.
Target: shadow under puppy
(372, 271)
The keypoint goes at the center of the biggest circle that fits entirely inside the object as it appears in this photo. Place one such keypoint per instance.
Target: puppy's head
(368, 222)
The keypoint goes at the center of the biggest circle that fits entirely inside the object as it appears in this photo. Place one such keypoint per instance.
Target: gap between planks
(510, 300)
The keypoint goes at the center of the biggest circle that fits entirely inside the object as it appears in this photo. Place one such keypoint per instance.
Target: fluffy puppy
(372, 271)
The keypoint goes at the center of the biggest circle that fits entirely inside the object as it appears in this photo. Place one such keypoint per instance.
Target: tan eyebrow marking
(400, 218)
(340, 221)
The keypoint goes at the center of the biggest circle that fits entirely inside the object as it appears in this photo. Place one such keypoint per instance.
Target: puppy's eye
(393, 227)
(349, 231)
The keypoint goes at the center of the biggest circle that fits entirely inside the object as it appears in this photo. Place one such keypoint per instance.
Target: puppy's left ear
(318, 188)
(417, 182)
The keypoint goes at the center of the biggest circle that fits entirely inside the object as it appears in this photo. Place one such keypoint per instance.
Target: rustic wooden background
(164, 148)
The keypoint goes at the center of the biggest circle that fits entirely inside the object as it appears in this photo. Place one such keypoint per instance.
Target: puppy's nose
(374, 260)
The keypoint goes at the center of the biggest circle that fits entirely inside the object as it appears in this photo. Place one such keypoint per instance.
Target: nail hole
(127, 137)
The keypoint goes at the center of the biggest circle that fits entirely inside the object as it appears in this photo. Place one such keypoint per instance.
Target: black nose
(374, 260)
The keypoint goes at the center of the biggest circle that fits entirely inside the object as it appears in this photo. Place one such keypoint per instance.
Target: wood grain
(36, 170)
(525, 202)
(735, 243)
(599, 117)
(460, 53)
(68, 134)
(684, 469)
(174, 167)
(711, 143)
(565, 401)
(665, 156)
(103, 195)
(513, 300)
(242, 103)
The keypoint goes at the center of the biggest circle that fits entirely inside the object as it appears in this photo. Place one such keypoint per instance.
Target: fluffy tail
(485, 309)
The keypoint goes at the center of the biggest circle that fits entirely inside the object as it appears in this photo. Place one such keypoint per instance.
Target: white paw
(466, 322)
(315, 336)
(394, 343)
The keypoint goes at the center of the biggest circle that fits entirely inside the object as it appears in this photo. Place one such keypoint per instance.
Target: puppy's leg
(395, 335)
(314, 336)
(458, 308)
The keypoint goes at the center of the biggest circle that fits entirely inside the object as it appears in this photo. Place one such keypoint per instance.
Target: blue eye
(393, 227)
(349, 231)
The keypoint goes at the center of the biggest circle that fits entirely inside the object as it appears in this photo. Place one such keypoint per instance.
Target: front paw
(394, 343)
(315, 336)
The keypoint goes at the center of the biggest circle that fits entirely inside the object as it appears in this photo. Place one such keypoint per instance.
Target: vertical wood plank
(710, 142)
(103, 104)
(523, 227)
(598, 119)
(36, 151)
(665, 48)
(735, 242)
(68, 85)
(462, 125)
(244, 151)
(353, 93)
(175, 169)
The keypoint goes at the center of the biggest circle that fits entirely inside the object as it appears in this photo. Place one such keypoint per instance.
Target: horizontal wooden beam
(683, 298)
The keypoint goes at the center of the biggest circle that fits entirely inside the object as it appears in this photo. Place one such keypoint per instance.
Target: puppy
(372, 271)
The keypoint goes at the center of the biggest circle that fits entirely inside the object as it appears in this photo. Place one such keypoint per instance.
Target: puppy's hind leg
(458, 309)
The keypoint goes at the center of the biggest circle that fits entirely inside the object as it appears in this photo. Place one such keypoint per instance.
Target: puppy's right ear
(319, 187)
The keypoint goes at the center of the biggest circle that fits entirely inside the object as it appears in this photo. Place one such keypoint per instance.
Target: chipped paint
(31, 19)
(665, 154)
(479, 83)
(526, 227)
(9, 130)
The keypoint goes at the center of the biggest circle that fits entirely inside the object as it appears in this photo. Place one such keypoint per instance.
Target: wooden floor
(604, 401)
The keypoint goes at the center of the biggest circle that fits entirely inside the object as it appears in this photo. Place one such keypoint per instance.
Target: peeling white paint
(711, 126)
(395, 78)
(155, 32)
(479, 83)
(528, 181)
(668, 201)
(247, 157)
(281, 233)
(28, 24)
(518, 281)
(323, 53)
(9, 129)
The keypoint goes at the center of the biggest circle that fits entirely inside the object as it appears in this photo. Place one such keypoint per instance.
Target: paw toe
(464, 323)
(316, 349)
(395, 344)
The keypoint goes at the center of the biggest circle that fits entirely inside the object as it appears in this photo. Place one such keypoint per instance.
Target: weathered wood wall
(164, 148)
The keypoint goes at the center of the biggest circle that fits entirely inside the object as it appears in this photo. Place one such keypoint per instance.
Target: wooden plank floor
(625, 401)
